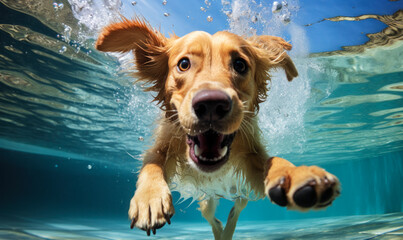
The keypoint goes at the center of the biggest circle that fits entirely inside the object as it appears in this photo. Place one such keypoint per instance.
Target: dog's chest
(226, 183)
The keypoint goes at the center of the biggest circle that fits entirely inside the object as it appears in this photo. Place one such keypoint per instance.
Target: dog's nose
(211, 105)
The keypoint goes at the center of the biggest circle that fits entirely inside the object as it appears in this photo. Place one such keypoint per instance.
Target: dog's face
(206, 83)
(210, 80)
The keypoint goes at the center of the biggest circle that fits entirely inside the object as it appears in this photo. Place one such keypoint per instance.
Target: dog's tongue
(210, 143)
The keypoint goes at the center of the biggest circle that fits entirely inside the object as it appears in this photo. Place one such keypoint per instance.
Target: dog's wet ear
(272, 49)
(149, 47)
(127, 35)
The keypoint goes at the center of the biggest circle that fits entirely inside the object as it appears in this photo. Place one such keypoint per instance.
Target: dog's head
(208, 84)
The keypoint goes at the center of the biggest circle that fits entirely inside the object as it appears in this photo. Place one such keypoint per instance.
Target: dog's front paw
(150, 208)
(302, 187)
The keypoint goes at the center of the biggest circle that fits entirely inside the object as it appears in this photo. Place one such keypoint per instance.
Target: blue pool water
(73, 126)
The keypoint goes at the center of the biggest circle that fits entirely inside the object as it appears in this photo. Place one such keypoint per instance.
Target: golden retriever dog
(208, 144)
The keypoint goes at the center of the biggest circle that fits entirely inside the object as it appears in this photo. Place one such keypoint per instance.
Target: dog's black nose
(211, 105)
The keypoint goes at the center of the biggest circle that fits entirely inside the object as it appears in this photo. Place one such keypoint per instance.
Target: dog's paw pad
(331, 189)
(305, 196)
(326, 195)
(278, 196)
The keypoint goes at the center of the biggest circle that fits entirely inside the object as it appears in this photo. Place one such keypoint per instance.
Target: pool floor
(387, 226)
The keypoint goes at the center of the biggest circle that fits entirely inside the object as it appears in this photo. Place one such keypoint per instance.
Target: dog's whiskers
(245, 108)
(245, 135)
(249, 117)
(248, 112)
(173, 116)
(248, 135)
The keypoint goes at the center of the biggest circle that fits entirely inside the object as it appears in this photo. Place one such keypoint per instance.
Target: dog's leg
(207, 209)
(233, 216)
(301, 187)
(151, 206)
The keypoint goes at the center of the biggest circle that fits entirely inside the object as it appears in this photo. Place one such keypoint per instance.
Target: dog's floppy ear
(148, 46)
(272, 52)
(128, 35)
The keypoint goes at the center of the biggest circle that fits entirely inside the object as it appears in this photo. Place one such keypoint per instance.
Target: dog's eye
(184, 64)
(240, 65)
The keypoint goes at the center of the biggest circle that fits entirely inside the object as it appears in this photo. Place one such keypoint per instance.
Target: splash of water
(281, 117)
(93, 15)
(247, 18)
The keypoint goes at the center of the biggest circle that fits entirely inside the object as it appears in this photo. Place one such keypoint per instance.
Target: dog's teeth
(197, 151)
(223, 151)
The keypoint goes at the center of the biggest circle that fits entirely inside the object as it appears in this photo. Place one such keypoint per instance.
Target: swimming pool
(73, 126)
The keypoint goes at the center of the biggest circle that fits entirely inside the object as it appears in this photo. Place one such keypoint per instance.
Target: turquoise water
(73, 126)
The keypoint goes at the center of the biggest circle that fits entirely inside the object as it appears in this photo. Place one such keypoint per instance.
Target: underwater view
(74, 123)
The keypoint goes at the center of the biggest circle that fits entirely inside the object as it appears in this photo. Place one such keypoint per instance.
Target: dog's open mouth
(210, 150)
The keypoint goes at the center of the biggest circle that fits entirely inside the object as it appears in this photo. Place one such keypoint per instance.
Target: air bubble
(202, 9)
(166, 14)
(141, 139)
(254, 19)
(58, 6)
(286, 18)
(134, 3)
(67, 33)
(63, 49)
(276, 7)
(89, 166)
(164, 2)
(228, 13)
(209, 18)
